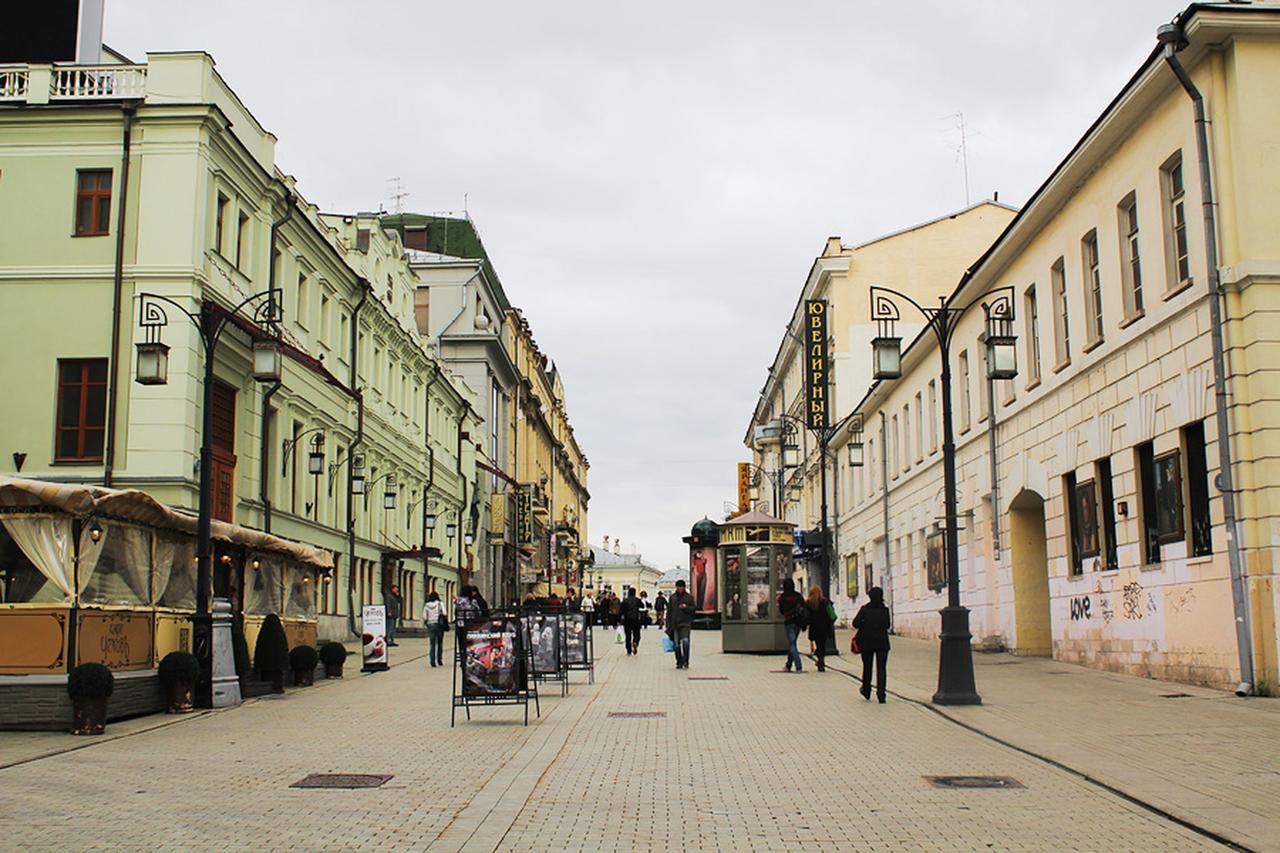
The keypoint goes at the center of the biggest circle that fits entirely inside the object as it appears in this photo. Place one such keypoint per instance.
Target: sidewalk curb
(1066, 768)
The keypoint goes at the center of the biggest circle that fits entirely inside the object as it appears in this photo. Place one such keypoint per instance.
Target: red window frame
(75, 373)
(93, 202)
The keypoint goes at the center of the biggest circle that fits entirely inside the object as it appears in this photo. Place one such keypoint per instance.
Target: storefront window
(21, 582)
(758, 582)
(733, 583)
(264, 591)
(175, 582)
(115, 570)
(300, 599)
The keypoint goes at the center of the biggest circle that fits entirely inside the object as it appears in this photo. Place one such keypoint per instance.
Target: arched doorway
(1029, 552)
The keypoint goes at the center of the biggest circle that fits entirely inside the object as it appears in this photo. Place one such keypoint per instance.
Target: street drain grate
(973, 782)
(708, 678)
(1175, 696)
(341, 780)
(637, 715)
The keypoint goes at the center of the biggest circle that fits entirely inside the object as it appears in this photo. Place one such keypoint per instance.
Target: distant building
(617, 571)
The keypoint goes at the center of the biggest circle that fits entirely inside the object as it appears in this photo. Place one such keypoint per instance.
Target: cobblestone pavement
(745, 759)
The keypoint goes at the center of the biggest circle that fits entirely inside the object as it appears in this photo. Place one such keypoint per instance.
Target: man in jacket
(631, 621)
(391, 599)
(680, 610)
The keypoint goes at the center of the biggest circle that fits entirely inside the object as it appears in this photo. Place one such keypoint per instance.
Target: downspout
(884, 480)
(264, 453)
(1173, 39)
(117, 297)
(354, 382)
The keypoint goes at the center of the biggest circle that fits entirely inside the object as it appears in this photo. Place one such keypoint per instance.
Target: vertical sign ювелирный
(815, 374)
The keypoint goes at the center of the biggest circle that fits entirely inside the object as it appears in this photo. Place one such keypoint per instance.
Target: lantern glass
(315, 462)
(1002, 357)
(451, 530)
(153, 364)
(357, 484)
(856, 454)
(266, 360)
(791, 456)
(469, 539)
(431, 521)
(754, 493)
(389, 500)
(886, 357)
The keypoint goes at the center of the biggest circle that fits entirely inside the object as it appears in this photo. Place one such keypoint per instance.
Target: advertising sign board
(816, 364)
(544, 640)
(491, 664)
(373, 625)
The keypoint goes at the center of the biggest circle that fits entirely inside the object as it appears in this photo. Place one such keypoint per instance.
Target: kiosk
(703, 577)
(755, 553)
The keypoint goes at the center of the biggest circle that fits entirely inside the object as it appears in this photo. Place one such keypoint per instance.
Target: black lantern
(1002, 346)
(389, 493)
(470, 539)
(886, 354)
(266, 360)
(153, 363)
(357, 484)
(855, 442)
(315, 459)
(431, 521)
(451, 530)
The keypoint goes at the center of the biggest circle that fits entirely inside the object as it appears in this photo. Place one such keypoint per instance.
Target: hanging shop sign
(744, 487)
(373, 626)
(935, 566)
(524, 515)
(497, 517)
(816, 374)
(491, 664)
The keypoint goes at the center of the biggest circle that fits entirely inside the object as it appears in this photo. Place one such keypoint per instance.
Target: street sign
(816, 373)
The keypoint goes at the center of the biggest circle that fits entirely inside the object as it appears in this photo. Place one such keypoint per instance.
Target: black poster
(544, 639)
(492, 665)
(575, 636)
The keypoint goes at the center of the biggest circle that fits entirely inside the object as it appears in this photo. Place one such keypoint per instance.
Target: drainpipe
(117, 297)
(354, 382)
(1173, 39)
(884, 479)
(264, 472)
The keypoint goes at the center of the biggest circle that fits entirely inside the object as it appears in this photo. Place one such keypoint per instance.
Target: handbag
(444, 622)
(668, 645)
(853, 644)
(831, 612)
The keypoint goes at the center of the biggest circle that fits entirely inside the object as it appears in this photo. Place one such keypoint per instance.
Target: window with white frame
(1032, 313)
(933, 416)
(1092, 285)
(1130, 256)
(1175, 216)
(1061, 317)
(906, 438)
(919, 427)
(965, 401)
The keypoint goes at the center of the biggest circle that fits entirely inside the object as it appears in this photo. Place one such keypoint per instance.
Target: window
(906, 437)
(1176, 223)
(1131, 258)
(93, 202)
(242, 239)
(1198, 490)
(933, 416)
(1092, 285)
(82, 410)
(344, 333)
(1147, 497)
(1061, 319)
(984, 385)
(219, 219)
(1108, 498)
(304, 301)
(1033, 336)
(1071, 498)
(965, 400)
(919, 428)
(325, 324)
(893, 461)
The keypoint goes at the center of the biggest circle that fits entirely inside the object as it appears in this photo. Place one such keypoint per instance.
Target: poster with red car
(491, 663)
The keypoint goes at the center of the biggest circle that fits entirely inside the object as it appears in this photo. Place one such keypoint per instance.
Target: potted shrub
(271, 653)
(332, 655)
(178, 674)
(89, 685)
(303, 660)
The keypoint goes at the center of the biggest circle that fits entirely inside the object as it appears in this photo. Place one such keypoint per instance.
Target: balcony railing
(39, 84)
(89, 82)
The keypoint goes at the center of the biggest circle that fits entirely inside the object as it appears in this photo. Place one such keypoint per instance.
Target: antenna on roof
(398, 195)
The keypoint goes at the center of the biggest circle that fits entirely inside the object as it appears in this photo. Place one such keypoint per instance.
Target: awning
(140, 508)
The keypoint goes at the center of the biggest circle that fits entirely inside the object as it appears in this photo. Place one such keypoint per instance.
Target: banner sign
(373, 620)
(575, 634)
(524, 515)
(491, 664)
(497, 517)
(744, 487)
(816, 374)
(544, 640)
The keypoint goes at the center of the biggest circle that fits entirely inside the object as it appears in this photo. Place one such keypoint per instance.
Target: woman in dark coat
(872, 625)
(820, 625)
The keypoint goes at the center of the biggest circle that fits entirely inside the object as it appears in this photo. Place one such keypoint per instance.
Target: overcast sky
(654, 179)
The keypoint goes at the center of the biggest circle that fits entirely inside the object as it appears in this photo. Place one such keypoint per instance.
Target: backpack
(800, 617)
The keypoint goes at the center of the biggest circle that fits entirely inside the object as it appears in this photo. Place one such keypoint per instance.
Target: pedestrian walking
(572, 602)
(589, 608)
(822, 623)
(645, 618)
(392, 601)
(615, 610)
(792, 608)
(437, 622)
(872, 641)
(660, 610)
(630, 609)
(680, 622)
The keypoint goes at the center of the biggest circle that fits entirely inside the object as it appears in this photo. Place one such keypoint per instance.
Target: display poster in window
(544, 640)
(758, 582)
(702, 577)
(575, 639)
(1087, 518)
(373, 627)
(733, 584)
(851, 575)
(935, 565)
(1168, 489)
(867, 577)
(491, 663)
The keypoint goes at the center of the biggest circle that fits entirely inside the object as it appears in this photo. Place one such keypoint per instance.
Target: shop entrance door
(1032, 624)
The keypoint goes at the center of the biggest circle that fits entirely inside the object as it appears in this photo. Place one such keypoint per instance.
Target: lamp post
(955, 660)
(153, 369)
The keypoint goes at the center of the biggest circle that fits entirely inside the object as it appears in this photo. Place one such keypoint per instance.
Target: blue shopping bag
(667, 644)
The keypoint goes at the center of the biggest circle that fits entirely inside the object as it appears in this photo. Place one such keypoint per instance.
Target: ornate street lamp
(955, 660)
(315, 459)
(357, 484)
(1002, 345)
(153, 363)
(266, 360)
(469, 539)
(856, 450)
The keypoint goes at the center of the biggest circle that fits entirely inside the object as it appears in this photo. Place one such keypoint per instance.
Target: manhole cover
(1175, 695)
(973, 782)
(637, 715)
(708, 678)
(341, 780)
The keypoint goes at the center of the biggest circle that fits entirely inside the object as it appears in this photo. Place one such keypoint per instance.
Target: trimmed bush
(271, 652)
(179, 668)
(333, 654)
(303, 658)
(90, 681)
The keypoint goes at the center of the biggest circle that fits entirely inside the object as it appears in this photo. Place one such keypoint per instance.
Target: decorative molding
(1189, 396)
(1099, 436)
(1140, 418)
(1068, 450)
